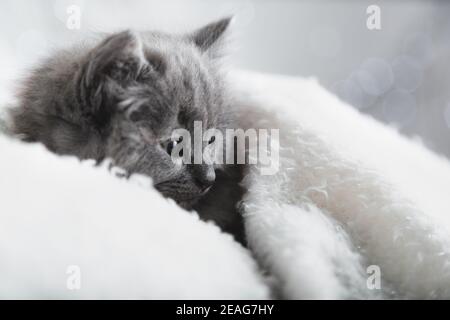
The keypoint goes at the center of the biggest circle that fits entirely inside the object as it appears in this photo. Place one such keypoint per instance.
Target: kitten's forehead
(185, 88)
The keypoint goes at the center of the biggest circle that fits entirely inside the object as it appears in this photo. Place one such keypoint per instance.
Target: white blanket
(70, 231)
(350, 193)
(352, 197)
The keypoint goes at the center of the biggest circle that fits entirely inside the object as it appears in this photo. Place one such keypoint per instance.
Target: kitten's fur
(122, 97)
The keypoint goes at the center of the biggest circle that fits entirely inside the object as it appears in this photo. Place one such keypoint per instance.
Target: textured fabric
(60, 218)
(350, 193)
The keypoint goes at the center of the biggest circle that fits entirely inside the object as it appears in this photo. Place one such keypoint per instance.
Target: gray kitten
(122, 97)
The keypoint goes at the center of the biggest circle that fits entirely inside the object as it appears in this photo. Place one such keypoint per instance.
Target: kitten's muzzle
(187, 192)
(204, 177)
(184, 194)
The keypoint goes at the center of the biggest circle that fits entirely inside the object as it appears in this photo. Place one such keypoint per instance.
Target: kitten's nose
(204, 176)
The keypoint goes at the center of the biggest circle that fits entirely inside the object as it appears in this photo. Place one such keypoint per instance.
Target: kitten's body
(122, 97)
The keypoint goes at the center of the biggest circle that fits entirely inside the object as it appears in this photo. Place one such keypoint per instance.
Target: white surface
(350, 193)
(126, 239)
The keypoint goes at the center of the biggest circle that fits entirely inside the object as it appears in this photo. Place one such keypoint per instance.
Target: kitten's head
(141, 87)
(132, 91)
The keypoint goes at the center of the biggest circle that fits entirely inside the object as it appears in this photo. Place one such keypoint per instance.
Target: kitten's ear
(108, 70)
(210, 35)
(118, 57)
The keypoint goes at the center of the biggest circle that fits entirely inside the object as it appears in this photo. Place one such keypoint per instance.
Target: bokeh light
(407, 73)
(351, 92)
(399, 107)
(375, 76)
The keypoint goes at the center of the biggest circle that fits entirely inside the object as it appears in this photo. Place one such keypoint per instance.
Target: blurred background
(397, 72)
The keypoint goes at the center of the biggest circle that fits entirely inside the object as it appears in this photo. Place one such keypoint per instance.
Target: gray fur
(3, 126)
(121, 98)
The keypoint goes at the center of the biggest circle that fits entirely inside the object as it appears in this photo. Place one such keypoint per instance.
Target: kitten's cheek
(146, 135)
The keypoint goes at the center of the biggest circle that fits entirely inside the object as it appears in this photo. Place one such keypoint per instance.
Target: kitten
(121, 98)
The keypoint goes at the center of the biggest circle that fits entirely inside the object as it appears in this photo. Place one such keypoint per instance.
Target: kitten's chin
(189, 202)
(188, 205)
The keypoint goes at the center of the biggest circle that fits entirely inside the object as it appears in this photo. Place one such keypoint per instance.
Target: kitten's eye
(170, 147)
(212, 139)
(172, 144)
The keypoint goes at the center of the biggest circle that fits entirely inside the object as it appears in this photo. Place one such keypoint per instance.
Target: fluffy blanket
(71, 230)
(353, 199)
(354, 211)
